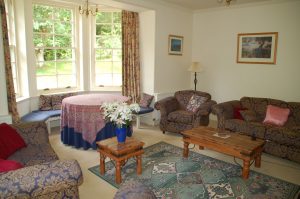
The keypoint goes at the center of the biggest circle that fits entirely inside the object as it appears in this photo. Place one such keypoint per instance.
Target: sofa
(282, 141)
(175, 115)
(43, 175)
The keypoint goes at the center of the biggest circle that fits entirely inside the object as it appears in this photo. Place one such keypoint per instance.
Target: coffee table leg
(258, 159)
(118, 172)
(185, 149)
(102, 164)
(246, 169)
(139, 164)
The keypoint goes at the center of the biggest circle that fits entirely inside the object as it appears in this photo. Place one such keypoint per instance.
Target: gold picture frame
(175, 45)
(257, 48)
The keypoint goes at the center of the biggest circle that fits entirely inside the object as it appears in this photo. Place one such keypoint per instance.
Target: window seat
(46, 116)
(143, 111)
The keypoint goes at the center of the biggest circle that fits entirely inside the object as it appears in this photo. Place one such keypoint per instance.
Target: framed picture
(257, 48)
(175, 45)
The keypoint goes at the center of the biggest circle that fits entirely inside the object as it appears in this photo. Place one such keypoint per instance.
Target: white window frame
(93, 57)
(75, 33)
(11, 25)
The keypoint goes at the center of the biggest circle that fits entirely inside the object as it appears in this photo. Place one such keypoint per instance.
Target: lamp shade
(195, 67)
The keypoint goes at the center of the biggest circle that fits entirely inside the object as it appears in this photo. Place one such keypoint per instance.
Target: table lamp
(196, 68)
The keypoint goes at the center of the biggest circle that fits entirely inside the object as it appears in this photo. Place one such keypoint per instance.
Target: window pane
(117, 29)
(65, 68)
(48, 54)
(62, 28)
(103, 67)
(117, 67)
(103, 29)
(64, 54)
(42, 12)
(117, 79)
(43, 26)
(117, 55)
(62, 14)
(104, 17)
(66, 80)
(62, 41)
(14, 70)
(46, 68)
(12, 54)
(43, 40)
(117, 17)
(104, 79)
(103, 55)
(46, 82)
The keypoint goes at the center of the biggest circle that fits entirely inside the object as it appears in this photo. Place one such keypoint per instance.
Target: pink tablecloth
(82, 112)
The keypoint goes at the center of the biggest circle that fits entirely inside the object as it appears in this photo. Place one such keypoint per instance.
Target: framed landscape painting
(175, 45)
(257, 48)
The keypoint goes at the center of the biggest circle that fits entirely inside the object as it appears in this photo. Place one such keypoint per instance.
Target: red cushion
(237, 114)
(9, 165)
(276, 115)
(10, 141)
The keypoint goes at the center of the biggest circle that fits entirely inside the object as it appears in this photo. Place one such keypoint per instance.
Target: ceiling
(204, 4)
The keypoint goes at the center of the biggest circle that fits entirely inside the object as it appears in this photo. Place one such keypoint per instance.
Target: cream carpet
(95, 187)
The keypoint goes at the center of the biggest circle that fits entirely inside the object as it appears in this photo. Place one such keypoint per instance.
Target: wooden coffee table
(120, 153)
(237, 145)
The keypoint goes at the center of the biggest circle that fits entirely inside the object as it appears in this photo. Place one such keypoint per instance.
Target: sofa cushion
(249, 116)
(9, 165)
(45, 102)
(237, 113)
(246, 128)
(276, 115)
(146, 100)
(181, 116)
(283, 135)
(134, 190)
(195, 103)
(10, 141)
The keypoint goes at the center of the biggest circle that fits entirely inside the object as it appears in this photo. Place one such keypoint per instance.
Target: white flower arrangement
(119, 113)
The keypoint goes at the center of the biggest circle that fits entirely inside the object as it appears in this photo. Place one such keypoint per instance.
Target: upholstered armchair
(185, 110)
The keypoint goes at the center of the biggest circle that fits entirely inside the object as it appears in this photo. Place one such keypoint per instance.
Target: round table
(82, 122)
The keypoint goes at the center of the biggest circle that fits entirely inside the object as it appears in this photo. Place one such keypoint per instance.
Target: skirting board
(5, 118)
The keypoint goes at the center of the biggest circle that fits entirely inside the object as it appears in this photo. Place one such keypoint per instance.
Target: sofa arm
(224, 111)
(166, 106)
(41, 180)
(33, 132)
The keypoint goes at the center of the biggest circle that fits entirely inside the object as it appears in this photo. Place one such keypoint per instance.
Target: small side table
(120, 153)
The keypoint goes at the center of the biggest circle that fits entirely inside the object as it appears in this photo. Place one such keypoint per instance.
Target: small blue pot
(121, 134)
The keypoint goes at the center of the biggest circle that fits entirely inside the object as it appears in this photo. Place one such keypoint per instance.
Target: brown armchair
(174, 114)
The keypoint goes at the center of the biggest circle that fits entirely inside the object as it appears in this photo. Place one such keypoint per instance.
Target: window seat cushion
(40, 115)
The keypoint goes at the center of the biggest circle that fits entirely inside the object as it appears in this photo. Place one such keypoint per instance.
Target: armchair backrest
(183, 97)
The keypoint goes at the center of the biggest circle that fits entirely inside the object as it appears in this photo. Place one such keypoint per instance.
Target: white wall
(215, 45)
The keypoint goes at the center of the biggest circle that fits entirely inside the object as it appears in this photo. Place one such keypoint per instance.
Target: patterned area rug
(171, 176)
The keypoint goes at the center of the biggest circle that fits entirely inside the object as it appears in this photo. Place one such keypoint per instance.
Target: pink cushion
(276, 115)
(9, 165)
(10, 141)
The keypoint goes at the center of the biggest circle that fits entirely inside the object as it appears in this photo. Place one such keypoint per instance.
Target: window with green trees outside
(54, 38)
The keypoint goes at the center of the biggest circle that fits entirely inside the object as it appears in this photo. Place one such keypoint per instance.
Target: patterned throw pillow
(45, 102)
(146, 100)
(56, 101)
(195, 102)
(249, 116)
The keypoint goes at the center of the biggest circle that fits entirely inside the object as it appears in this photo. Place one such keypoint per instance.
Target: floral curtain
(130, 57)
(11, 97)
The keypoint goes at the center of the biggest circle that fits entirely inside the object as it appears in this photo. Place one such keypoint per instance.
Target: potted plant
(121, 115)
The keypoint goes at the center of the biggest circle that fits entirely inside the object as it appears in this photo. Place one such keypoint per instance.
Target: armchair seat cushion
(181, 116)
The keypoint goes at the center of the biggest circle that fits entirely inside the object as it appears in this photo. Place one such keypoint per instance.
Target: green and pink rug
(170, 175)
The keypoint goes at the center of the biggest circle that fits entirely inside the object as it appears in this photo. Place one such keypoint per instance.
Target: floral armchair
(43, 174)
(185, 110)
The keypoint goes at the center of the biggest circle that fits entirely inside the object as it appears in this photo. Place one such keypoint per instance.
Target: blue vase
(121, 134)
